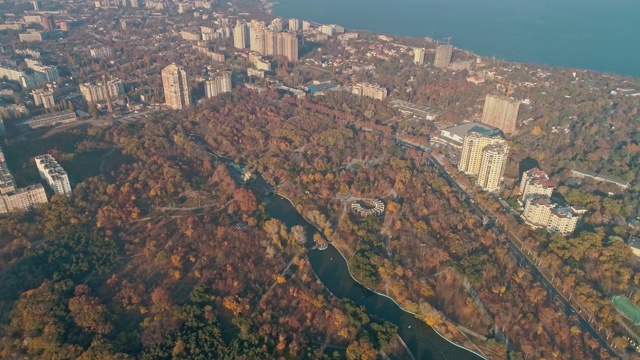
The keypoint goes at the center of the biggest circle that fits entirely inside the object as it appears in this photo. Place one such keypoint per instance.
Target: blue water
(602, 35)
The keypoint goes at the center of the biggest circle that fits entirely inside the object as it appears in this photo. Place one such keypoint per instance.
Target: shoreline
(567, 63)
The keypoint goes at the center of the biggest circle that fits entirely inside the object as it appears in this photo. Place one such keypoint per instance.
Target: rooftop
(564, 212)
(464, 129)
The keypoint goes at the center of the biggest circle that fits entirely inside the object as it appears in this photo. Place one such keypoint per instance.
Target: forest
(159, 253)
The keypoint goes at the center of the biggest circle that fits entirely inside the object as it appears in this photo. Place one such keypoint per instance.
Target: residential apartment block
(17, 199)
(177, 94)
(101, 53)
(492, 166)
(501, 112)
(541, 212)
(218, 85)
(535, 182)
(44, 98)
(22, 199)
(53, 174)
(373, 91)
(95, 93)
(472, 145)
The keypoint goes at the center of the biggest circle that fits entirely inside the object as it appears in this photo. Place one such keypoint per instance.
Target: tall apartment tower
(276, 24)
(501, 112)
(443, 56)
(418, 56)
(257, 37)
(176, 87)
(492, 166)
(53, 174)
(295, 25)
(288, 46)
(218, 85)
(241, 36)
(472, 146)
(270, 43)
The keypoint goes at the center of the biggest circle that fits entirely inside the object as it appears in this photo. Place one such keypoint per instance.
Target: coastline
(544, 40)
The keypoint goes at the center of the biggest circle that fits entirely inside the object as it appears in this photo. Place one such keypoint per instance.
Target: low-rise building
(255, 72)
(44, 98)
(373, 91)
(416, 110)
(535, 182)
(634, 244)
(101, 52)
(60, 117)
(562, 220)
(541, 212)
(537, 211)
(454, 136)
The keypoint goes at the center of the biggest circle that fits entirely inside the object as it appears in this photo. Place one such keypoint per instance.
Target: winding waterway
(331, 268)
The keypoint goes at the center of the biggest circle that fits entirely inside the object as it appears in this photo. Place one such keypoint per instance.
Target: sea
(601, 35)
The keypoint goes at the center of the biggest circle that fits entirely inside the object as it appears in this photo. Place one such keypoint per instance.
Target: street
(524, 260)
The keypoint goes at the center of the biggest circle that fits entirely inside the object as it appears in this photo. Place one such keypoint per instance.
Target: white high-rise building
(492, 166)
(241, 36)
(53, 174)
(418, 56)
(472, 146)
(177, 94)
(295, 25)
(277, 24)
(562, 220)
(218, 85)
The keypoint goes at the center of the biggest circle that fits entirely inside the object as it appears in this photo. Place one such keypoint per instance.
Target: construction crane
(509, 86)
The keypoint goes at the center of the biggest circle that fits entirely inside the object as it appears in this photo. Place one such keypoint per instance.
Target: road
(515, 246)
